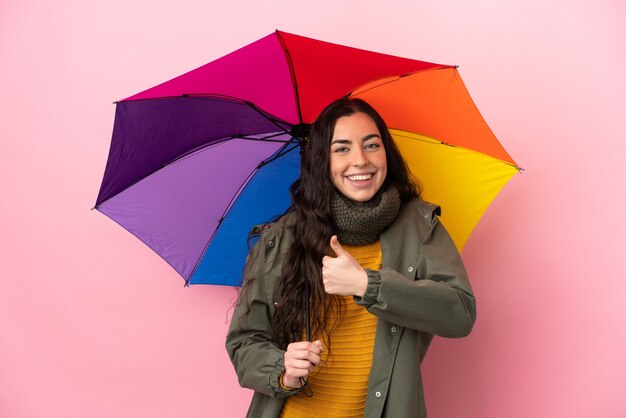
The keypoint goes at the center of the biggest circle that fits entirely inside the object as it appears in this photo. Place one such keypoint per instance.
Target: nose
(359, 159)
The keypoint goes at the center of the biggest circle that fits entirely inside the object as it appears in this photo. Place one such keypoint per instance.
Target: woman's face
(358, 162)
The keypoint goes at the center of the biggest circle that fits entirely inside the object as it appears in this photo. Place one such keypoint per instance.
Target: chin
(360, 196)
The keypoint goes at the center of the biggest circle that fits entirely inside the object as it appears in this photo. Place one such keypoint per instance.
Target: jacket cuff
(371, 292)
(275, 379)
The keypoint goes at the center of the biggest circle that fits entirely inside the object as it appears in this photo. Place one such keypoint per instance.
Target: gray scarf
(360, 223)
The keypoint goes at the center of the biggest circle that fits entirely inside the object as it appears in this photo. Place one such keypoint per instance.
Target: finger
(327, 285)
(315, 360)
(302, 349)
(299, 345)
(291, 373)
(337, 248)
(314, 349)
(296, 372)
(326, 272)
(307, 362)
(297, 354)
(296, 364)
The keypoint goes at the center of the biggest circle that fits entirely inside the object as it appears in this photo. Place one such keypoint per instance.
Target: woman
(383, 277)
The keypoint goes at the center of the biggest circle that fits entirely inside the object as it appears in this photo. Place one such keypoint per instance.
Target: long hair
(313, 223)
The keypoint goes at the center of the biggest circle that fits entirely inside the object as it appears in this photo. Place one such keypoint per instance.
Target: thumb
(337, 248)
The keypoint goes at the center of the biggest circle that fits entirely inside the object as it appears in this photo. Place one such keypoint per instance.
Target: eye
(341, 149)
(372, 145)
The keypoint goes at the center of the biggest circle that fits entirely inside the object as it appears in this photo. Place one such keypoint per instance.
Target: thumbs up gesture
(342, 275)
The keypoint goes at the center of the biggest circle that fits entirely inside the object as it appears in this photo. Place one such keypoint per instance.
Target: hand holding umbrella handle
(300, 358)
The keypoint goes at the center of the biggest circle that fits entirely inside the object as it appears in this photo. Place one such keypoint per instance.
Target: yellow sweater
(340, 385)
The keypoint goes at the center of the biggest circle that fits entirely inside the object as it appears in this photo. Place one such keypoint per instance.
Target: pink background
(92, 323)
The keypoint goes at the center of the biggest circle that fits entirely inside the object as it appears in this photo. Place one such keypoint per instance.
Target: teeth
(360, 177)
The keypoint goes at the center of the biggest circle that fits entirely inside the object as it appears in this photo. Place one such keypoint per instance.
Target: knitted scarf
(360, 223)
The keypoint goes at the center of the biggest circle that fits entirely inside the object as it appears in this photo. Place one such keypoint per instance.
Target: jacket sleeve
(439, 301)
(257, 361)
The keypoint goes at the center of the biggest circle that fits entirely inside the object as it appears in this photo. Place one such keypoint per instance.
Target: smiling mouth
(360, 177)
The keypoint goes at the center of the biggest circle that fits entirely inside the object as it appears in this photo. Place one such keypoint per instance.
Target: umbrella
(198, 160)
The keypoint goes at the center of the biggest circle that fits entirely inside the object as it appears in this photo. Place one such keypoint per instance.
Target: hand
(342, 275)
(300, 358)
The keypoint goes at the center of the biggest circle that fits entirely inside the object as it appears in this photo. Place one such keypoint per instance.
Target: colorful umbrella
(195, 162)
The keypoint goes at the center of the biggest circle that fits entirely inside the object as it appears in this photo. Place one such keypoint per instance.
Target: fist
(300, 358)
(342, 275)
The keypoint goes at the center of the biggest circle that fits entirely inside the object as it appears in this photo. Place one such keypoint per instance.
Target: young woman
(372, 263)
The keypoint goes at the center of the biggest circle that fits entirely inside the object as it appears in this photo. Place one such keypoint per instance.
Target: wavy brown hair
(313, 223)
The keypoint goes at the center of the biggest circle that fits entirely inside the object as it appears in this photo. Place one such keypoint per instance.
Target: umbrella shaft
(308, 310)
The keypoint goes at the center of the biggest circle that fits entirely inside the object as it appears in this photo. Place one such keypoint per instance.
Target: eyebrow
(349, 141)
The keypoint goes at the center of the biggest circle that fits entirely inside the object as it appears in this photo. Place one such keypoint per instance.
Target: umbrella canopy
(195, 162)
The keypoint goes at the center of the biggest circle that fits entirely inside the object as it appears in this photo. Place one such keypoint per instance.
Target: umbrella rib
(439, 142)
(163, 165)
(197, 149)
(284, 150)
(266, 116)
(291, 133)
(277, 122)
(394, 78)
(219, 224)
(280, 153)
(264, 139)
(292, 72)
(204, 96)
(280, 124)
(207, 96)
(228, 138)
